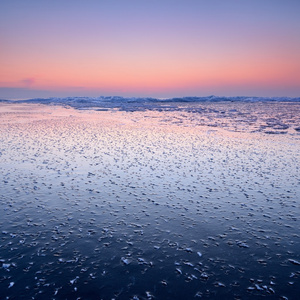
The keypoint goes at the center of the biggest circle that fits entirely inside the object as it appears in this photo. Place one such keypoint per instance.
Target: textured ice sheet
(134, 205)
(279, 115)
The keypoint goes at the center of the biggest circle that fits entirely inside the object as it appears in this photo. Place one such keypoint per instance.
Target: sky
(138, 48)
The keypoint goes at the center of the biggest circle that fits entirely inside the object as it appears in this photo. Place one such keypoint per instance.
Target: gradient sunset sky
(152, 48)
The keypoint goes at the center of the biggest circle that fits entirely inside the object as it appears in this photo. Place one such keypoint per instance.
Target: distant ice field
(277, 115)
(182, 200)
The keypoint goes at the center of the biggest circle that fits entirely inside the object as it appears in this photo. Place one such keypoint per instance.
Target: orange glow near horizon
(138, 76)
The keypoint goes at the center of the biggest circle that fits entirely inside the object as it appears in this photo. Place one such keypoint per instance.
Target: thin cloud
(28, 82)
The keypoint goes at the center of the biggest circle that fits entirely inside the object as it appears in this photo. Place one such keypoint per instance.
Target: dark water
(134, 211)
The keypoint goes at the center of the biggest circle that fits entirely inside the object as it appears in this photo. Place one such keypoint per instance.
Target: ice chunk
(6, 266)
(294, 262)
(125, 261)
(242, 244)
(74, 280)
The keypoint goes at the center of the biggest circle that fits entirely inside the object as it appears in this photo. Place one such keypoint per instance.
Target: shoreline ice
(147, 204)
(278, 116)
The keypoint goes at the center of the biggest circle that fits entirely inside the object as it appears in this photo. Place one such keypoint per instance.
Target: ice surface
(149, 204)
(277, 115)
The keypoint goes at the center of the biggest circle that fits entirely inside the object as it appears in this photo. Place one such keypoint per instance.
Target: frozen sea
(150, 199)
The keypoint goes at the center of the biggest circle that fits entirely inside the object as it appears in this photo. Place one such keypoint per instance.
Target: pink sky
(149, 48)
